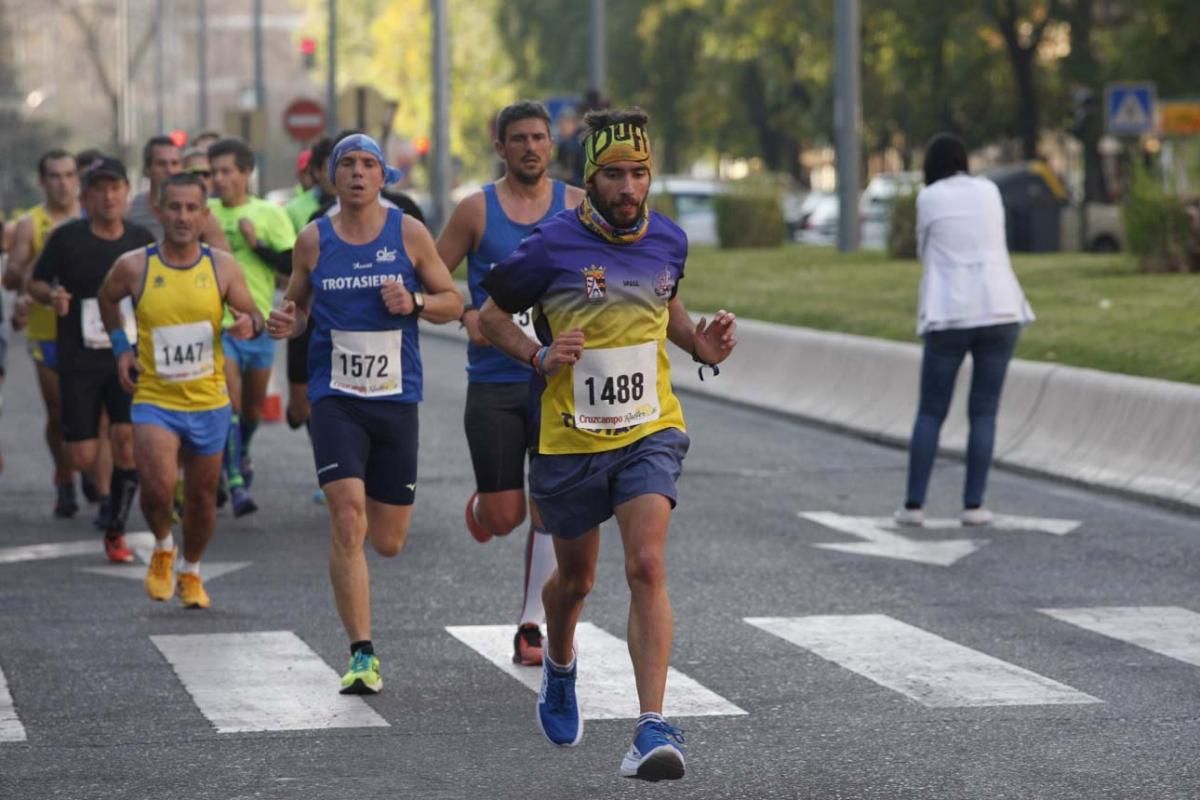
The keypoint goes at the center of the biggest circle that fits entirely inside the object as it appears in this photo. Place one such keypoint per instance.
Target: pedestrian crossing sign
(1129, 108)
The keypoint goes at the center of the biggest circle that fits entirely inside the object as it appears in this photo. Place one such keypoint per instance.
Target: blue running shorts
(372, 440)
(44, 352)
(575, 493)
(256, 353)
(201, 432)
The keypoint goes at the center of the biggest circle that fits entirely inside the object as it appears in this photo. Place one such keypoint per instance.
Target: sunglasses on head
(202, 173)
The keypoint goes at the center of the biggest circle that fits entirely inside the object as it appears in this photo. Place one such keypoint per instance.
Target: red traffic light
(308, 46)
(178, 137)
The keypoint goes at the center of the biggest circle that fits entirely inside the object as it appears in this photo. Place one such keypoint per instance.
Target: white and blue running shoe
(656, 753)
(558, 713)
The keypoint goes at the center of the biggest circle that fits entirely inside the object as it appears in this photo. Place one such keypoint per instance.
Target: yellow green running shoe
(363, 676)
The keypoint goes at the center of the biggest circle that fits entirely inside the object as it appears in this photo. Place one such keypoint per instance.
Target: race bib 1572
(366, 363)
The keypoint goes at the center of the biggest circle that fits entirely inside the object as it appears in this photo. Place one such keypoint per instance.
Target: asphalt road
(902, 677)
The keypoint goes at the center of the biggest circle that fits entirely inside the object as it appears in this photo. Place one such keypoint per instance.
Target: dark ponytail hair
(945, 155)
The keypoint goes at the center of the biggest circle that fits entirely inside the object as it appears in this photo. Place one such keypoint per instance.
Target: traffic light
(178, 137)
(308, 52)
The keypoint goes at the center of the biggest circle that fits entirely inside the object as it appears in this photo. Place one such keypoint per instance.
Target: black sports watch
(418, 302)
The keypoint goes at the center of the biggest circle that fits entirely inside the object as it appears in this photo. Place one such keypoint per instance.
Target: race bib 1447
(183, 352)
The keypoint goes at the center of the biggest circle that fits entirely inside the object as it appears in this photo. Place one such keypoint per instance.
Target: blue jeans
(991, 349)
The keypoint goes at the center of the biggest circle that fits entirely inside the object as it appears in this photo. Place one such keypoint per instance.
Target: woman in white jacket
(970, 302)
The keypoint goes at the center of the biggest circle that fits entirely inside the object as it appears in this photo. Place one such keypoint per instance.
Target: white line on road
(923, 666)
(209, 570)
(11, 729)
(1167, 630)
(605, 686)
(268, 681)
(40, 552)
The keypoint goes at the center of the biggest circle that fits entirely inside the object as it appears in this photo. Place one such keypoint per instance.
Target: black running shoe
(65, 506)
(103, 518)
(90, 490)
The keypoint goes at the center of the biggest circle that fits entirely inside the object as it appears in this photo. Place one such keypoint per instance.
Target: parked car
(694, 202)
(875, 204)
(818, 219)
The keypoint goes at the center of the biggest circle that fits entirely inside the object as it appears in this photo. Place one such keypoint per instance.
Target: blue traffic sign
(1129, 108)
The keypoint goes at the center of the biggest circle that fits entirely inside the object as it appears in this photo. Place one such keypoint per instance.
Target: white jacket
(967, 279)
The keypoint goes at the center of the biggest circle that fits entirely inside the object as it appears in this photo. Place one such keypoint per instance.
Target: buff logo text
(621, 132)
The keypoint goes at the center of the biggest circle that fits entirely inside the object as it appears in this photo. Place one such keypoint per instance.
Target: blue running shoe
(656, 754)
(558, 713)
(243, 503)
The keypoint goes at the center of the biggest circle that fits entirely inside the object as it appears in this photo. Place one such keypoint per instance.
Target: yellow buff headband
(618, 142)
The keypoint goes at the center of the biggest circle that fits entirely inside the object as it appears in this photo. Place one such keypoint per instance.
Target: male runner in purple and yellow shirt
(603, 282)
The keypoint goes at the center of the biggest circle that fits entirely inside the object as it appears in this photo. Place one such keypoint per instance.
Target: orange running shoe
(116, 549)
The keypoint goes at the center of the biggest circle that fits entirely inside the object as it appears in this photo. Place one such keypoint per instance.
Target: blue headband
(361, 142)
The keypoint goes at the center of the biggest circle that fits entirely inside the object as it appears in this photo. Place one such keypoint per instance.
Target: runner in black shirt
(68, 275)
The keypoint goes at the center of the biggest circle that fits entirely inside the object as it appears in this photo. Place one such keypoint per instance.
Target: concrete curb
(1135, 435)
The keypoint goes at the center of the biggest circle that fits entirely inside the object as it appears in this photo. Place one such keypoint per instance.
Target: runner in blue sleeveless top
(367, 273)
(486, 228)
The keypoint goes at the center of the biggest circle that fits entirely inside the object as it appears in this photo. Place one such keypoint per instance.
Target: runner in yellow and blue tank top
(486, 228)
(367, 272)
(59, 179)
(604, 282)
(180, 290)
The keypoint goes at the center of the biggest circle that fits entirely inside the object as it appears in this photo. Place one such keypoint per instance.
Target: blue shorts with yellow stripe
(44, 352)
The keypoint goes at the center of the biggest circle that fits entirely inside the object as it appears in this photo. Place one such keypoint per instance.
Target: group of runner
(574, 293)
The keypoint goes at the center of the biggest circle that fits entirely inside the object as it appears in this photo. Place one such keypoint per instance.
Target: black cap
(105, 167)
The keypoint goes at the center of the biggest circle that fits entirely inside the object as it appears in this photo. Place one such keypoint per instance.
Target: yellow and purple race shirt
(617, 294)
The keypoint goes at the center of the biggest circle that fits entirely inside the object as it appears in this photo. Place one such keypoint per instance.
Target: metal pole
(260, 91)
(122, 75)
(331, 120)
(599, 47)
(160, 92)
(847, 119)
(441, 116)
(201, 64)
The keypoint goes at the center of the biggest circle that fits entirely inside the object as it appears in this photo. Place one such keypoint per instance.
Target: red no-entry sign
(304, 119)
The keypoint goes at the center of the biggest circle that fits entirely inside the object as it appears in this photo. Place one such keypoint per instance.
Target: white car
(695, 207)
(818, 219)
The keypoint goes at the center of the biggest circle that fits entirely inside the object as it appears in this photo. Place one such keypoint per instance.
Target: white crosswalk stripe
(605, 687)
(268, 681)
(920, 665)
(11, 729)
(1167, 630)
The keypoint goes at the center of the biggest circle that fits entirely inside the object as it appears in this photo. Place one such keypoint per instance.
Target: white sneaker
(977, 516)
(911, 517)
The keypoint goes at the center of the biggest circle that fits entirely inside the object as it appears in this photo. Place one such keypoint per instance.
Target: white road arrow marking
(1002, 522)
(209, 570)
(142, 545)
(885, 543)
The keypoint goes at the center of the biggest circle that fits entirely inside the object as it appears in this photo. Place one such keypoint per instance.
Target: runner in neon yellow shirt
(261, 237)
